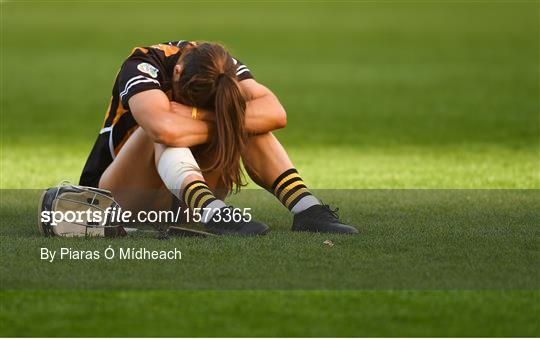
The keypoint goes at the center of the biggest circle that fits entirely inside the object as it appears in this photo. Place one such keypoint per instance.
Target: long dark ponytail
(208, 81)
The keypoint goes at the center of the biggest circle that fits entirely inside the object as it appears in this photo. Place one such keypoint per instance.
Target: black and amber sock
(197, 194)
(292, 192)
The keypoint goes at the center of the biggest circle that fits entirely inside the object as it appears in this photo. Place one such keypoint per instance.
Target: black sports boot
(217, 225)
(320, 218)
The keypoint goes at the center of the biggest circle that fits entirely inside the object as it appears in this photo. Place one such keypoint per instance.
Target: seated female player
(182, 117)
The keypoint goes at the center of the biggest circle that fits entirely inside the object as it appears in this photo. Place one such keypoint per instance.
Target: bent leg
(134, 180)
(144, 174)
(182, 175)
(269, 166)
(132, 176)
(265, 159)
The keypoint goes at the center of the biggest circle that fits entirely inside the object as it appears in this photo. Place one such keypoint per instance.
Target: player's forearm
(265, 114)
(179, 131)
(167, 122)
(177, 128)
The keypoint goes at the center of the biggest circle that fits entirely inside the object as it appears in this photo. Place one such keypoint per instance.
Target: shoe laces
(327, 213)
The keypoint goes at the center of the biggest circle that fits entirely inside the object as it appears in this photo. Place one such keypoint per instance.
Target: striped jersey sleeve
(242, 71)
(138, 75)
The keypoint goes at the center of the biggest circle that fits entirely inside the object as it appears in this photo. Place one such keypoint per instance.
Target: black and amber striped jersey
(145, 69)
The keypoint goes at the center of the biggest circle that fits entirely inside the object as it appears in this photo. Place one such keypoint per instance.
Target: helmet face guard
(79, 205)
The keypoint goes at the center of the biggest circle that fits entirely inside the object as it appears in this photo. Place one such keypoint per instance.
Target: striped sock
(197, 194)
(292, 192)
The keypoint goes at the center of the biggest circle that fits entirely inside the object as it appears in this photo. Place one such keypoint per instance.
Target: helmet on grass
(77, 211)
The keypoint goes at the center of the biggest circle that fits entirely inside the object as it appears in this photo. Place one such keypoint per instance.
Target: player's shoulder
(171, 48)
(160, 50)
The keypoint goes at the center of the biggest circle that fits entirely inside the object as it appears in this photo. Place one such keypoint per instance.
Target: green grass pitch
(430, 95)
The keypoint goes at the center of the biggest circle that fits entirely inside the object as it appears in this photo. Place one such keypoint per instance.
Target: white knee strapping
(174, 165)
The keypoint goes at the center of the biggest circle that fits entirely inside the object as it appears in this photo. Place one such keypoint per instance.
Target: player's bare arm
(166, 122)
(264, 112)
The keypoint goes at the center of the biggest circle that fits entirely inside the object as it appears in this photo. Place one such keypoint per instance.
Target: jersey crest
(148, 69)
